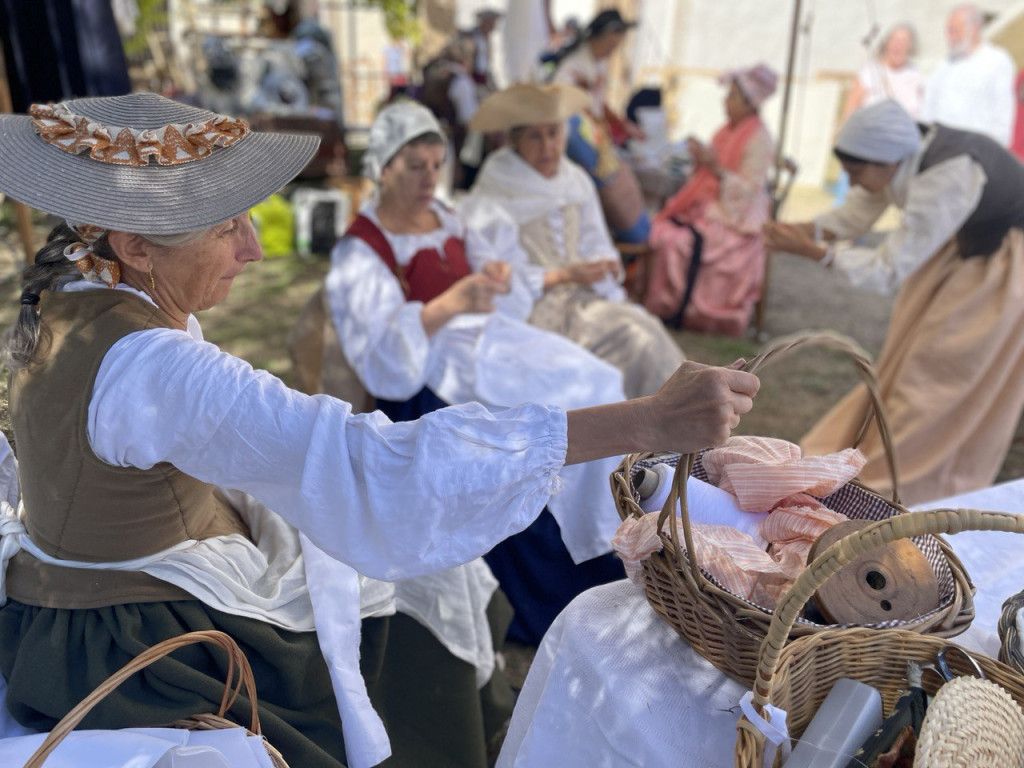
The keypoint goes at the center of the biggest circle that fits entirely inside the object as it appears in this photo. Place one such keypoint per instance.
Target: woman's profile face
(410, 178)
(736, 104)
(873, 177)
(897, 48)
(541, 146)
(603, 46)
(199, 275)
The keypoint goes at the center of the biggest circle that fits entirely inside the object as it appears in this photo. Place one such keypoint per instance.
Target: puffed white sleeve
(596, 243)
(856, 216)
(939, 201)
(391, 500)
(497, 239)
(381, 333)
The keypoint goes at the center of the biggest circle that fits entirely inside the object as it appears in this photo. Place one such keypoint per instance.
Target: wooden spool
(891, 583)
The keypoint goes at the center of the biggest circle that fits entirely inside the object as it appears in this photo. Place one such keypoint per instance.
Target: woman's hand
(696, 408)
(582, 273)
(498, 271)
(792, 238)
(699, 406)
(473, 293)
(703, 155)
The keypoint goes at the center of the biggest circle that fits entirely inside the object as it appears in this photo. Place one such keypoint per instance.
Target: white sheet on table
(144, 748)
(992, 560)
(613, 685)
(608, 644)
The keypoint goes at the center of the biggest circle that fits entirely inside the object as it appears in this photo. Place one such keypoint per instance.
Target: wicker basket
(200, 722)
(727, 629)
(1010, 648)
(797, 676)
(992, 736)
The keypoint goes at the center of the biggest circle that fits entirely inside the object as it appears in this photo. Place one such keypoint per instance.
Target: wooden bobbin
(894, 582)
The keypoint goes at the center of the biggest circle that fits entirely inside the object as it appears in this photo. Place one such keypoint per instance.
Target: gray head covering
(881, 133)
(395, 126)
(143, 163)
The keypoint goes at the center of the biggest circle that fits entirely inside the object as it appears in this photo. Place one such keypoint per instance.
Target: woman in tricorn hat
(127, 423)
(574, 271)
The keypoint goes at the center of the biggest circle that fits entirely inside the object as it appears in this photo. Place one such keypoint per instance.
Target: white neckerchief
(526, 194)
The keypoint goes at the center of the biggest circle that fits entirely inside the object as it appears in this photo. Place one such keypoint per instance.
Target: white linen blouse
(347, 482)
(934, 205)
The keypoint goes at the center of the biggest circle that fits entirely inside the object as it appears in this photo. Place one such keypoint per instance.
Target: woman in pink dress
(707, 266)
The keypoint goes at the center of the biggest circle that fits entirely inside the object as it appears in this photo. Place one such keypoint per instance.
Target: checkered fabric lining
(850, 500)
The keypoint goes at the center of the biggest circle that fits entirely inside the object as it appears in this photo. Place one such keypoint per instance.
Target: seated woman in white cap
(573, 271)
(952, 367)
(707, 266)
(128, 425)
(424, 313)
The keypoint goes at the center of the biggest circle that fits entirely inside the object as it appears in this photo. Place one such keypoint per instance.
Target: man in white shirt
(486, 21)
(972, 89)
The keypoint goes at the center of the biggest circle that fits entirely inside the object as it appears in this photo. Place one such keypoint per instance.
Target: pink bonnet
(756, 83)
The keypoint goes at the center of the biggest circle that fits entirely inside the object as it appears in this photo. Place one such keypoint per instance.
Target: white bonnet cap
(881, 133)
(395, 126)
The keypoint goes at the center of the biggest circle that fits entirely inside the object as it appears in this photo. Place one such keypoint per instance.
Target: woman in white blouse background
(127, 424)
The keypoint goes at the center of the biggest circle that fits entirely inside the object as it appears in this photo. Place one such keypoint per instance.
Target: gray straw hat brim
(150, 199)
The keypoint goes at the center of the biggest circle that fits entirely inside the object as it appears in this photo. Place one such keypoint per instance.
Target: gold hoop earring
(152, 282)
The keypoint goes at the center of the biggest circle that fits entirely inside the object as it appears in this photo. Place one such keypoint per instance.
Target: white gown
(496, 359)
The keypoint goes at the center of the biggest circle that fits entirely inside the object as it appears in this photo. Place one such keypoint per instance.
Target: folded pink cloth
(762, 471)
(635, 541)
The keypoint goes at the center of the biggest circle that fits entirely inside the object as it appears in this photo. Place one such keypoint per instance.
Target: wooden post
(780, 158)
(22, 214)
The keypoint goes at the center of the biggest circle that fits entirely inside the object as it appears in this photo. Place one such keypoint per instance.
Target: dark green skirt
(435, 714)
(53, 658)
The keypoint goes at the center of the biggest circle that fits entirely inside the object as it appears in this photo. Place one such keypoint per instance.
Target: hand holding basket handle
(232, 687)
(769, 355)
(727, 629)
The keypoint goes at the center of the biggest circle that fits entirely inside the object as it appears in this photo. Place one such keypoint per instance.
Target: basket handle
(769, 354)
(844, 551)
(232, 687)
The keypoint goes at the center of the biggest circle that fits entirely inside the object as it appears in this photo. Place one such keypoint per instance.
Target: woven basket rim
(667, 554)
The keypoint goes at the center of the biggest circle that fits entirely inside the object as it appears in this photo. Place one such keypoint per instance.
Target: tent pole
(780, 156)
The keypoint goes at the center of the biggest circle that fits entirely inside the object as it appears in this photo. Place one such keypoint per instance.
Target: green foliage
(399, 18)
(152, 13)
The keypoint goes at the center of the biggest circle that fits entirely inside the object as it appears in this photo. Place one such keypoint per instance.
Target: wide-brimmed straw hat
(528, 104)
(143, 163)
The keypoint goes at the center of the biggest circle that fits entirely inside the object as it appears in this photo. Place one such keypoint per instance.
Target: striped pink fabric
(762, 471)
(764, 474)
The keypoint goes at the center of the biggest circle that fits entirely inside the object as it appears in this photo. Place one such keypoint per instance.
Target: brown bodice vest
(78, 507)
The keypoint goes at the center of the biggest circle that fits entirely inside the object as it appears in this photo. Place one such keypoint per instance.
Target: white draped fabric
(525, 35)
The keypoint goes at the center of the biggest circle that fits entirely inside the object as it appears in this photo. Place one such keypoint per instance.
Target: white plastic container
(850, 713)
(321, 218)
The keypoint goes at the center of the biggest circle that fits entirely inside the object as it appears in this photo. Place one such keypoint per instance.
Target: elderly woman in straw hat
(573, 273)
(708, 254)
(952, 367)
(127, 423)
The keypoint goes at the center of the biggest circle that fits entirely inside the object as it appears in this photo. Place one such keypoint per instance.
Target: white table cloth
(613, 685)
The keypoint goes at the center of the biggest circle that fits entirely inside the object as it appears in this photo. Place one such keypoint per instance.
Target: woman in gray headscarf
(952, 367)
